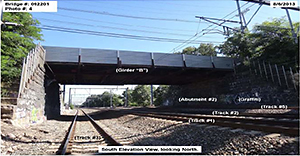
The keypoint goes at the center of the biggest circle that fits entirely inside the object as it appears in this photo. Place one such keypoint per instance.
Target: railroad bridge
(114, 67)
(46, 66)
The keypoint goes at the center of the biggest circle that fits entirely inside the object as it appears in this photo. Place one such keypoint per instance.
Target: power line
(195, 37)
(137, 9)
(115, 23)
(116, 35)
(128, 16)
(195, 6)
(108, 27)
(165, 9)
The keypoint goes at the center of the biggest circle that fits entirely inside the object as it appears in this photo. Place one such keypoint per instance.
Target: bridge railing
(34, 61)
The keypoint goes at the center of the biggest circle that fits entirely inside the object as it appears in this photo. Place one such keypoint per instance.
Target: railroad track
(276, 116)
(84, 137)
(288, 116)
(272, 125)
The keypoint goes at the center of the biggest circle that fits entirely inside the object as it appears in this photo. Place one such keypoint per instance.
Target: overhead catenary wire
(115, 23)
(108, 27)
(127, 16)
(165, 10)
(193, 38)
(182, 45)
(196, 37)
(189, 5)
(139, 9)
(116, 35)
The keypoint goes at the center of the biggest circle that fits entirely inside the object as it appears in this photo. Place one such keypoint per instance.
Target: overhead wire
(195, 6)
(117, 28)
(115, 23)
(193, 38)
(125, 35)
(127, 16)
(166, 10)
(137, 9)
(229, 18)
(184, 44)
(117, 35)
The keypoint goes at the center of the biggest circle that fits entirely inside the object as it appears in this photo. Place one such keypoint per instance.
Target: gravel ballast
(146, 131)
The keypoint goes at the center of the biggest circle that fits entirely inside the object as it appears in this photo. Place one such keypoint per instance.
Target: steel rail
(288, 123)
(69, 135)
(71, 131)
(287, 116)
(280, 116)
(267, 126)
(107, 137)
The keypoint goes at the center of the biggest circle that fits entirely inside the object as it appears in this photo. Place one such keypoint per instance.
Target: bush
(71, 106)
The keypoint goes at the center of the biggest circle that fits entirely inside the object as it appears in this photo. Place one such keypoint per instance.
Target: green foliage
(129, 98)
(16, 42)
(270, 41)
(71, 106)
(133, 104)
(203, 49)
(274, 42)
(238, 45)
(167, 95)
(160, 94)
(103, 100)
(141, 95)
(189, 50)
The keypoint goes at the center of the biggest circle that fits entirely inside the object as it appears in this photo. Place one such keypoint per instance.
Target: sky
(186, 26)
(165, 20)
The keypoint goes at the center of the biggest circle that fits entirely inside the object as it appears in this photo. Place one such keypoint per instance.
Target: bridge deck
(97, 66)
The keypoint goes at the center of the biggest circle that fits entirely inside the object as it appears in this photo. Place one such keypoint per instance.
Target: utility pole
(240, 15)
(64, 93)
(110, 99)
(151, 95)
(70, 96)
(292, 27)
(245, 23)
(126, 97)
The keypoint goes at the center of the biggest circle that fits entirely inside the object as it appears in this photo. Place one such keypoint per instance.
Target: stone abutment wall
(241, 89)
(31, 97)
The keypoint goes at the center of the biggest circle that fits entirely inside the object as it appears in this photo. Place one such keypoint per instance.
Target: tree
(16, 42)
(203, 49)
(160, 95)
(103, 100)
(129, 98)
(190, 51)
(274, 42)
(238, 45)
(270, 41)
(141, 95)
(207, 49)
